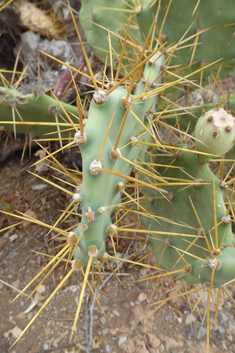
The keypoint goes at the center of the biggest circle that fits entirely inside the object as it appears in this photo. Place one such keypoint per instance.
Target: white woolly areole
(76, 264)
(221, 118)
(95, 167)
(101, 209)
(71, 234)
(115, 154)
(139, 9)
(226, 219)
(125, 102)
(214, 263)
(120, 187)
(112, 229)
(80, 139)
(92, 251)
(78, 187)
(223, 185)
(77, 197)
(133, 141)
(100, 97)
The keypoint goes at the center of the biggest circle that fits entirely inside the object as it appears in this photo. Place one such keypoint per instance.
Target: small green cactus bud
(216, 130)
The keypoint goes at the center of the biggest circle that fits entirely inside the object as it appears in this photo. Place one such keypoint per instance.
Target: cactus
(215, 132)
(195, 225)
(99, 191)
(183, 209)
(205, 38)
(42, 115)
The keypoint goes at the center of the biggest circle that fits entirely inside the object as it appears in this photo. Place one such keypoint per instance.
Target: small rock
(103, 320)
(201, 333)
(16, 332)
(153, 341)
(223, 318)
(230, 338)
(116, 313)
(143, 271)
(221, 329)
(188, 342)
(105, 331)
(21, 315)
(137, 302)
(39, 187)
(113, 331)
(190, 319)
(171, 343)
(169, 317)
(16, 283)
(41, 289)
(45, 346)
(189, 330)
(218, 335)
(231, 325)
(31, 214)
(74, 288)
(107, 348)
(13, 237)
(142, 297)
(173, 350)
(185, 310)
(126, 305)
(121, 340)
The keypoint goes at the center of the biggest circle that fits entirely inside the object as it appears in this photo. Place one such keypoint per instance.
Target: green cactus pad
(41, 112)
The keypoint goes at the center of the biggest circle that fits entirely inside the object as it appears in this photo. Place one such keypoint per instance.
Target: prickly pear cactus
(104, 177)
(192, 232)
(41, 115)
(198, 38)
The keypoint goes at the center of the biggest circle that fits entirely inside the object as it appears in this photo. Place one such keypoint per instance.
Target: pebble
(103, 320)
(218, 335)
(107, 348)
(122, 340)
(185, 310)
(105, 331)
(169, 317)
(189, 330)
(153, 340)
(13, 237)
(16, 283)
(81, 333)
(142, 297)
(74, 288)
(45, 346)
(221, 329)
(190, 319)
(188, 342)
(126, 305)
(223, 318)
(201, 333)
(137, 302)
(230, 338)
(116, 313)
(12, 254)
(113, 331)
(41, 289)
(231, 325)
(173, 350)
